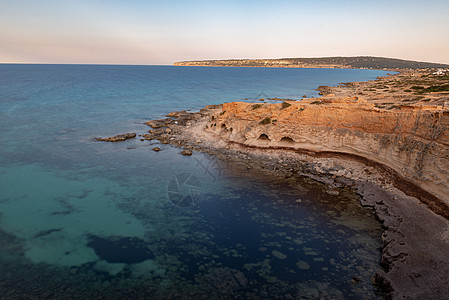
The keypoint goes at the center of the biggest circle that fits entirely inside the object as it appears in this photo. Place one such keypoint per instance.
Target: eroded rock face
(413, 141)
(119, 137)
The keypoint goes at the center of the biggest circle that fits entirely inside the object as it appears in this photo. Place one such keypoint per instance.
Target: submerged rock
(278, 254)
(226, 280)
(355, 279)
(117, 249)
(118, 138)
(303, 265)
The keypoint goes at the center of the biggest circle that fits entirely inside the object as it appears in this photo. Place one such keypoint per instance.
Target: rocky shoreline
(415, 222)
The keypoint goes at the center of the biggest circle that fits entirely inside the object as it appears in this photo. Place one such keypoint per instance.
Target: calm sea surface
(87, 219)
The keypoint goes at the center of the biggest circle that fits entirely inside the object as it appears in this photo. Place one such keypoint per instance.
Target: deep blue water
(85, 218)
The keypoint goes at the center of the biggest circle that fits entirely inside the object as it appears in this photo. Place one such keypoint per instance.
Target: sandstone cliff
(411, 141)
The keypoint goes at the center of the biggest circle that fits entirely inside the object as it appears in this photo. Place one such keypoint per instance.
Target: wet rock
(186, 152)
(118, 138)
(156, 149)
(158, 131)
(149, 136)
(333, 192)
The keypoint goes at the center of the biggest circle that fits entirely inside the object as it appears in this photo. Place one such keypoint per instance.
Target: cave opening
(287, 140)
(264, 137)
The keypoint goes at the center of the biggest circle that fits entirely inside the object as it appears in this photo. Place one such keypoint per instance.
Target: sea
(83, 219)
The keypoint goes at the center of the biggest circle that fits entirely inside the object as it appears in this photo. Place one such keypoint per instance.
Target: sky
(162, 32)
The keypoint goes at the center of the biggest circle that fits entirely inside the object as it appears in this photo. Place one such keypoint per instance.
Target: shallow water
(80, 218)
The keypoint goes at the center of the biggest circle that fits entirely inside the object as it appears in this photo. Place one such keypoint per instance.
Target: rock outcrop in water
(118, 138)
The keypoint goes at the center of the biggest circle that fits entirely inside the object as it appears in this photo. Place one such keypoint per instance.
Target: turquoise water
(81, 218)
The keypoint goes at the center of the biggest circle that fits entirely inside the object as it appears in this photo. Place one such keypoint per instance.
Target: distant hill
(358, 62)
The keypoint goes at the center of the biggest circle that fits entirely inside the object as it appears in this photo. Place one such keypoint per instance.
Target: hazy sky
(162, 32)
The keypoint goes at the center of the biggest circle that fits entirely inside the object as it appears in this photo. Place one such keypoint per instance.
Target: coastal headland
(357, 62)
(388, 139)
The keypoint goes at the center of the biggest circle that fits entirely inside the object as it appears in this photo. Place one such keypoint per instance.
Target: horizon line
(208, 59)
(85, 64)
